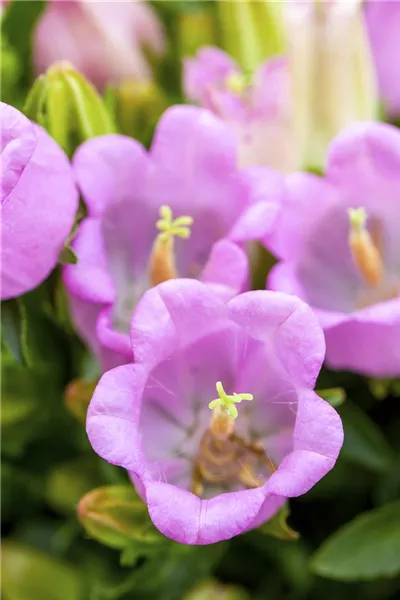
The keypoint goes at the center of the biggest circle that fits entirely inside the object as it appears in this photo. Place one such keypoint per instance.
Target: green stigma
(227, 402)
(170, 227)
(357, 218)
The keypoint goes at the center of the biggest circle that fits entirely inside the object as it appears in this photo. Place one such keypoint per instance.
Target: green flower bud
(251, 31)
(213, 590)
(117, 517)
(333, 82)
(195, 29)
(77, 396)
(68, 106)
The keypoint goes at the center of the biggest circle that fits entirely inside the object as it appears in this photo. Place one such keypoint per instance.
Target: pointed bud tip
(60, 66)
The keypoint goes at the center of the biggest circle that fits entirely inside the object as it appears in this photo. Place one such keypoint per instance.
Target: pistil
(162, 261)
(225, 459)
(225, 411)
(364, 250)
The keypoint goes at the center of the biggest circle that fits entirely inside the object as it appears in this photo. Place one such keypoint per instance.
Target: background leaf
(366, 548)
(17, 25)
(364, 442)
(31, 575)
(13, 323)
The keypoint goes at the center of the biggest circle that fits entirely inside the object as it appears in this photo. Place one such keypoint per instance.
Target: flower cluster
(206, 396)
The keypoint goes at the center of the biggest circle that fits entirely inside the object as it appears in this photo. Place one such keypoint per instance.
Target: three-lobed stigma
(162, 261)
(170, 227)
(226, 402)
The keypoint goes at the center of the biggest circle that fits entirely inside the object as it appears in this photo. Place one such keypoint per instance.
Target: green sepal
(277, 526)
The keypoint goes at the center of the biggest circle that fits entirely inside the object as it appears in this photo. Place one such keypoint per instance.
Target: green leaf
(170, 574)
(21, 490)
(13, 329)
(366, 548)
(335, 396)
(30, 575)
(17, 25)
(364, 442)
(68, 482)
(10, 72)
(277, 526)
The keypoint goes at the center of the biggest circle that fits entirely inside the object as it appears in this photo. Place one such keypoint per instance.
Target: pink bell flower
(39, 200)
(182, 209)
(339, 246)
(217, 421)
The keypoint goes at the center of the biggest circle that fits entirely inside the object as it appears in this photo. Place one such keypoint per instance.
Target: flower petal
(308, 199)
(210, 67)
(298, 338)
(227, 269)
(367, 341)
(109, 169)
(89, 278)
(39, 185)
(113, 416)
(318, 438)
(173, 314)
(364, 163)
(185, 518)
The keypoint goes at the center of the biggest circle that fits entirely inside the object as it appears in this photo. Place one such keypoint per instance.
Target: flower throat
(224, 458)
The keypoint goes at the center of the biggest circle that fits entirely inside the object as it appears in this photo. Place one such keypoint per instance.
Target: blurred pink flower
(345, 263)
(383, 25)
(259, 112)
(38, 203)
(192, 168)
(103, 40)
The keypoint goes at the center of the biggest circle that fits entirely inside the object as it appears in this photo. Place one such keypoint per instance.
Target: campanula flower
(383, 23)
(38, 203)
(179, 210)
(103, 40)
(259, 111)
(217, 421)
(339, 242)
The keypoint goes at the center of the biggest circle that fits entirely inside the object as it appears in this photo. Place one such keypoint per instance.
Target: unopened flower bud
(68, 106)
(251, 31)
(333, 79)
(116, 516)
